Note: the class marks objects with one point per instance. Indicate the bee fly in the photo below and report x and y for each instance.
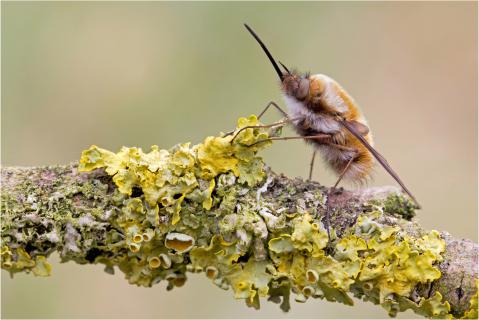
(326, 116)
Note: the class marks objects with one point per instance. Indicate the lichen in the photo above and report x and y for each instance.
(201, 209)
(179, 242)
(19, 260)
(399, 205)
(472, 313)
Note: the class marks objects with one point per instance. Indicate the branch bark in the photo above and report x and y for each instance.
(57, 208)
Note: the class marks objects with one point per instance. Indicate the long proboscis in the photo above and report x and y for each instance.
(380, 159)
(265, 49)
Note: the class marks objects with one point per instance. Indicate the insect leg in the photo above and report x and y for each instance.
(344, 171)
(378, 157)
(341, 147)
(319, 136)
(327, 217)
(272, 103)
(261, 126)
(328, 224)
(311, 165)
(337, 146)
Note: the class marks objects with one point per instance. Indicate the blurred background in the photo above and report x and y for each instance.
(138, 74)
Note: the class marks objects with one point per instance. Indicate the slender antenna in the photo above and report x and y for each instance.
(278, 70)
(284, 67)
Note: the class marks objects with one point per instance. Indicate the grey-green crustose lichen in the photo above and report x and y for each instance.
(177, 211)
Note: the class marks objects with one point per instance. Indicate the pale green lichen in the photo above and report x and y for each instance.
(178, 210)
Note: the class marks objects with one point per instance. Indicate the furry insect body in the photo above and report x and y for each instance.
(324, 115)
(314, 103)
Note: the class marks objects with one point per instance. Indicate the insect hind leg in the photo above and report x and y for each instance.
(348, 165)
(329, 206)
(311, 165)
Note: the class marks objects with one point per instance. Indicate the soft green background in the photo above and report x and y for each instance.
(137, 74)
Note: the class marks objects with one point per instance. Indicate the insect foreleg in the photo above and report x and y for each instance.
(279, 123)
(272, 103)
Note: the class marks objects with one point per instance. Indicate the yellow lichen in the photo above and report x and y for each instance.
(6, 257)
(432, 307)
(218, 253)
(472, 313)
(251, 281)
(216, 156)
(20, 260)
(396, 263)
(377, 257)
(282, 244)
(307, 236)
(166, 177)
(23, 259)
(42, 268)
(208, 202)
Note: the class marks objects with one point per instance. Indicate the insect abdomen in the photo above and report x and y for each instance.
(359, 170)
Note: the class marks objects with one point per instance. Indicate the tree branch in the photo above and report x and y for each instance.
(215, 208)
(57, 208)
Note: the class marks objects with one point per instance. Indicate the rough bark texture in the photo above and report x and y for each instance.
(73, 194)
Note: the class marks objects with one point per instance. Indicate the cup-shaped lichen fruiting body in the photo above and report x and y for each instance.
(165, 260)
(179, 281)
(179, 242)
(312, 276)
(148, 234)
(211, 272)
(154, 262)
(134, 247)
(308, 291)
(134, 234)
(137, 238)
(368, 286)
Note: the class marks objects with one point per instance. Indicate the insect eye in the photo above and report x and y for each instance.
(303, 89)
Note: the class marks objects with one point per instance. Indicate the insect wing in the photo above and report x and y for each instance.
(378, 157)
